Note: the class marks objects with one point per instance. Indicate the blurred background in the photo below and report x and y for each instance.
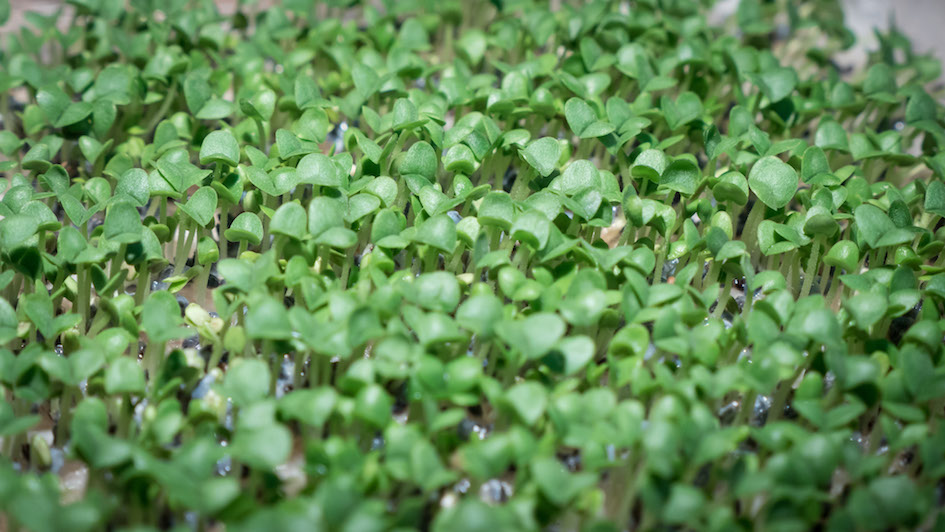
(922, 20)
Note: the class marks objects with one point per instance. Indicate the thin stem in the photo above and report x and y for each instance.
(661, 252)
(398, 146)
(833, 295)
(117, 261)
(84, 297)
(723, 299)
(522, 256)
(153, 358)
(299, 369)
(144, 284)
(520, 186)
(179, 258)
(65, 414)
(202, 280)
(165, 107)
(224, 224)
(812, 267)
(263, 138)
(268, 201)
(430, 259)
(750, 231)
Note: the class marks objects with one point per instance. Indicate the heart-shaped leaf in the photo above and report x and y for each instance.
(201, 206)
(584, 121)
(773, 182)
(542, 155)
(220, 147)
